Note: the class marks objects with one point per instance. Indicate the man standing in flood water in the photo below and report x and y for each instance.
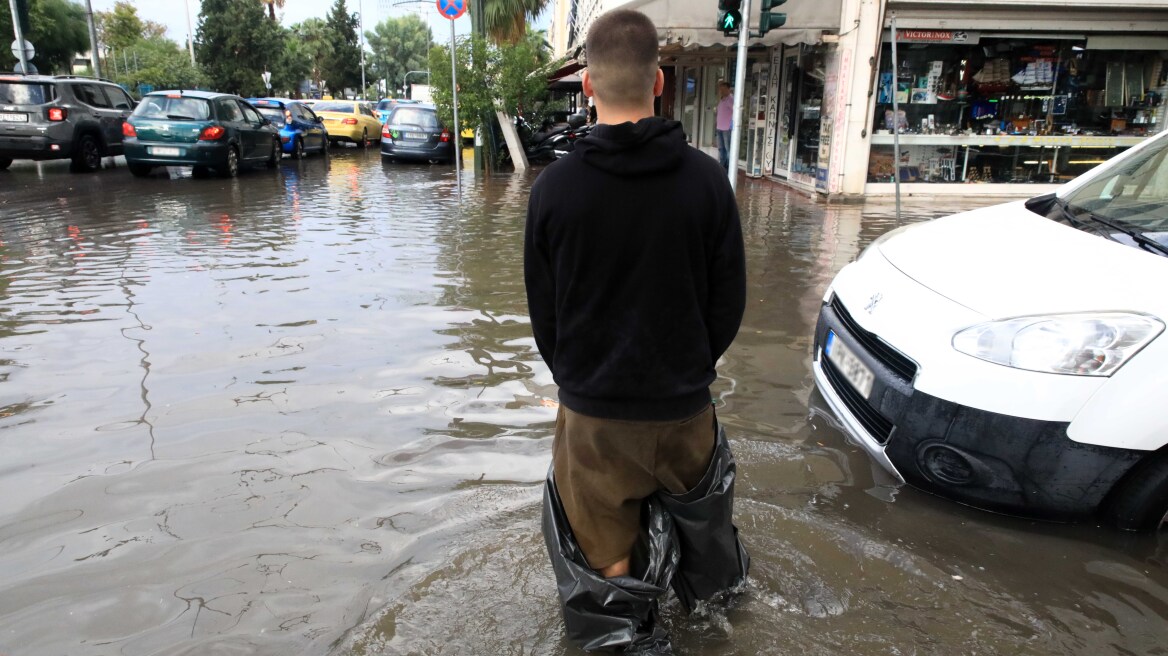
(635, 278)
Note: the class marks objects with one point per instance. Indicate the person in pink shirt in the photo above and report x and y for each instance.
(724, 123)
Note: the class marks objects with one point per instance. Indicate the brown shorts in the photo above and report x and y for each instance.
(605, 468)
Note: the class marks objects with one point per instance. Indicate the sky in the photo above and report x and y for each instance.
(170, 13)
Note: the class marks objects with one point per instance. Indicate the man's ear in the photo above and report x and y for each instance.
(659, 83)
(586, 83)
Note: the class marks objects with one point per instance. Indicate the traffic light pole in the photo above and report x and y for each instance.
(739, 83)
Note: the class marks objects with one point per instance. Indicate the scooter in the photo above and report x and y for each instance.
(550, 143)
(578, 132)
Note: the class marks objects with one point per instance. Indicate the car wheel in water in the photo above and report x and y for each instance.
(86, 155)
(1140, 501)
(5, 162)
(231, 167)
(364, 138)
(297, 148)
(325, 145)
(274, 157)
(140, 170)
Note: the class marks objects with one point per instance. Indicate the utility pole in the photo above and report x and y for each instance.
(93, 38)
(361, 23)
(190, 34)
(19, 37)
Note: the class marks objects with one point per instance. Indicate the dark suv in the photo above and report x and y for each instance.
(61, 117)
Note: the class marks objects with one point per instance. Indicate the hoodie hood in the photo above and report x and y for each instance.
(651, 145)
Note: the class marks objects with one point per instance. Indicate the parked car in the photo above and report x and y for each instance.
(70, 117)
(208, 131)
(348, 120)
(1013, 358)
(301, 130)
(414, 132)
(386, 105)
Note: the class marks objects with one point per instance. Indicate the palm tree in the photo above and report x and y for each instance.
(272, 6)
(506, 20)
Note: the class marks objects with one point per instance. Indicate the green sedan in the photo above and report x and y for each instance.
(209, 131)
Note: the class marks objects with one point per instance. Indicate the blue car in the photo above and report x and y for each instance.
(301, 131)
(386, 105)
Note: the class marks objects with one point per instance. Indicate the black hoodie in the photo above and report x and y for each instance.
(636, 278)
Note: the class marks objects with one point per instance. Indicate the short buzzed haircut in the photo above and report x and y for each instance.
(622, 57)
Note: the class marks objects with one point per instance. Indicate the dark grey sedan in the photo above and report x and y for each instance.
(414, 132)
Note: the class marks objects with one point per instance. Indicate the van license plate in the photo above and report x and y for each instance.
(13, 118)
(165, 152)
(855, 371)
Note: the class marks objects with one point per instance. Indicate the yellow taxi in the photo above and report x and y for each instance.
(349, 120)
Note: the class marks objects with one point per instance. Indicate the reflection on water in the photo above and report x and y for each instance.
(302, 412)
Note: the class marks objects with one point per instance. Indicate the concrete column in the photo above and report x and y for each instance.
(859, 41)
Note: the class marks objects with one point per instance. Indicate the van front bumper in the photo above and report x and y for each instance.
(993, 461)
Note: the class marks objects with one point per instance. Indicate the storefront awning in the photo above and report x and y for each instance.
(691, 24)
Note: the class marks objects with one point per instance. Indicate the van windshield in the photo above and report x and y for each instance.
(25, 93)
(1133, 193)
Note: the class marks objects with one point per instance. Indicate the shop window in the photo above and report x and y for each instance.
(1011, 109)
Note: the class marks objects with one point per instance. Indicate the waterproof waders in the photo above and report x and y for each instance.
(689, 544)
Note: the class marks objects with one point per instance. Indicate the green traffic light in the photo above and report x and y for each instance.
(729, 21)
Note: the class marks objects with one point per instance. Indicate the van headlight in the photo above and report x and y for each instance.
(1088, 344)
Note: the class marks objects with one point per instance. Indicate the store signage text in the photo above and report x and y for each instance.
(936, 36)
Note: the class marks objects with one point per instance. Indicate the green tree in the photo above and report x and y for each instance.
(234, 44)
(120, 28)
(273, 5)
(399, 45)
(58, 30)
(343, 66)
(506, 20)
(510, 78)
(294, 65)
(160, 63)
(314, 46)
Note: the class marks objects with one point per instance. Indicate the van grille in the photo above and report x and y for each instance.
(900, 365)
(872, 421)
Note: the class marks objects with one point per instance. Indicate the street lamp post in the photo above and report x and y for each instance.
(361, 10)
(190, 34)
(92, 38)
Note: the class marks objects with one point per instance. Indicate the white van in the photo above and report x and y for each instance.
(1013, 357)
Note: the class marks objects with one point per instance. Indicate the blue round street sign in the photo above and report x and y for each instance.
(451, 9)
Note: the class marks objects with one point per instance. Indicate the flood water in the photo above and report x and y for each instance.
(301, 412)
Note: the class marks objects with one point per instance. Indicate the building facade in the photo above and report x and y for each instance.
(1011, 95)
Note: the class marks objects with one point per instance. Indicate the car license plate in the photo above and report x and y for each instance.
(417, 135)
(855, 371)
(165, 152)
(13, 118)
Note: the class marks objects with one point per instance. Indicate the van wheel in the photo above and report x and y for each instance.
(5, 162)
(86, 155)
(1140, 501)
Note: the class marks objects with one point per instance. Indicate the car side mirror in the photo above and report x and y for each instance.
(319, 119)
